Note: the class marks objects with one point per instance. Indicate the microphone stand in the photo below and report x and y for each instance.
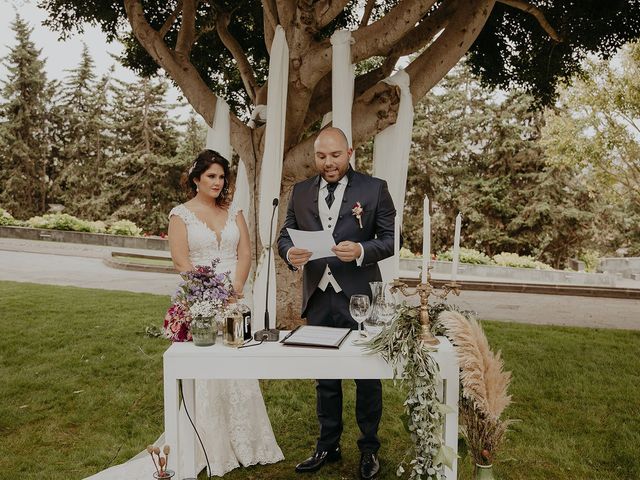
(268, 334)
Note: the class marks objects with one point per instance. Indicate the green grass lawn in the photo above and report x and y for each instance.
(81, 389)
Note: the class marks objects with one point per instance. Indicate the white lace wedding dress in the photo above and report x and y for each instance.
(231, 416)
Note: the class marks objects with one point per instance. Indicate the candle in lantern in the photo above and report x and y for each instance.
(456, 248)
(426, 239)
(396, 248)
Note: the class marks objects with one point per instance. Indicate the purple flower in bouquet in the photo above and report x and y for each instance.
(200, 288)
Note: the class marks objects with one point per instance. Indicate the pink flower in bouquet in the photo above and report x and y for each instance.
(177, 322)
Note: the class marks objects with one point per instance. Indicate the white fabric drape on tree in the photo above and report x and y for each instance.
(219, 139)
(342, 78)
(271, 175)
(391, 160)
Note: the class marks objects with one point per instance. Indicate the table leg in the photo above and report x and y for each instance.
(451, 391)
(188, 446)
(171, 419)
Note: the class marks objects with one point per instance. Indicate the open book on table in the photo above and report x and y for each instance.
(314, 336)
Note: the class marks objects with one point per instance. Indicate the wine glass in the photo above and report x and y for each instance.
(360, 309)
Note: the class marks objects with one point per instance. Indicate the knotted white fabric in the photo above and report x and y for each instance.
(391, 160)
(342, 84)
(219, 134)
(271, 175)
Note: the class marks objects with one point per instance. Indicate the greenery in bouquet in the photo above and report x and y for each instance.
(202, 292)
(399, 344)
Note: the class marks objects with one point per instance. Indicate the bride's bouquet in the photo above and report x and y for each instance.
(202, 292)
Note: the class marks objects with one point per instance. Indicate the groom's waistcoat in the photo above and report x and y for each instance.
(375, 235)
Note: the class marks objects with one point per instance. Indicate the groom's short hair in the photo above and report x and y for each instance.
(337, 130)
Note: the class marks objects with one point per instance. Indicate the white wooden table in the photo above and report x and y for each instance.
(186, 362)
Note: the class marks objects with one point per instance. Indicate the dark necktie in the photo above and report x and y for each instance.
(331, 187)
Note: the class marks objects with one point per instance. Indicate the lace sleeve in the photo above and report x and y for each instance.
(182, 212)
(234, 209)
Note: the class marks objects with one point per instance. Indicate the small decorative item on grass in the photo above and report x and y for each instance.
(201, 296)
(160, 463)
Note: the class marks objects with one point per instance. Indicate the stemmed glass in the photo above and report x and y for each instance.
(360, 309)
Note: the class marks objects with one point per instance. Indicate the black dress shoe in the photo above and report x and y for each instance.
(369, 466)
(319, 458)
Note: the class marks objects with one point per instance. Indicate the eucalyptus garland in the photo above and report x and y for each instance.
(400, 345)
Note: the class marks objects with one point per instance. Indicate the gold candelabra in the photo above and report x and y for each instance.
(425, 290)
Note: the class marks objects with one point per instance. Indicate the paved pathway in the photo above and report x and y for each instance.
(82, 266)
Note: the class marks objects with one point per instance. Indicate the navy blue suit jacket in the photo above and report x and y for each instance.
(376, 234)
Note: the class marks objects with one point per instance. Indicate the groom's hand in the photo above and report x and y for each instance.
(298, 256)
(347, 251)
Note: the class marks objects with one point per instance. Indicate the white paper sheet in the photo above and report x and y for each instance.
(319, 243)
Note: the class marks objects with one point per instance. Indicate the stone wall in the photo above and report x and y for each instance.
(25, 233)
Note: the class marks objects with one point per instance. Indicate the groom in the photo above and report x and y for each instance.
(359, 212)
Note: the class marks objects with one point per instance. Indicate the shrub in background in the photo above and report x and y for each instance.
(59, 221)
(591, 258)
(6, 219)
(124, 227)
(467, 255)
(506, 259)
(406, 253)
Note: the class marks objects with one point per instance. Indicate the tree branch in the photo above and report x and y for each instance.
(244, 67)
(368, 8)
(537, 13)
(321, 99)
(441, 56)
(170, 20)
(381, 35)
(269, 22)
(286, 12)
(327, 10)
(420, 36)
(372, 112)
(187, 32)
(181, 71)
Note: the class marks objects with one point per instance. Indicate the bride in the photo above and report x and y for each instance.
(232, 419)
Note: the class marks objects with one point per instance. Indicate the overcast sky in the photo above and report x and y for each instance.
(59, 55)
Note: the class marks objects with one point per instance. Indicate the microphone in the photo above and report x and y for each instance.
(268, 334)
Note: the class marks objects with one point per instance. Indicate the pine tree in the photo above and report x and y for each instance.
(85, 139)
(142, 179)
(192, 139)
(25, 129)
(482, 156)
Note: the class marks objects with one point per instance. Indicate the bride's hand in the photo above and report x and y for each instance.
(237, 291)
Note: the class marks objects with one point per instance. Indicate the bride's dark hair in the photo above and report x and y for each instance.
(203, 161)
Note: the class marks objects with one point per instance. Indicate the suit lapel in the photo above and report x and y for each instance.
(315, 209)
(348, 199)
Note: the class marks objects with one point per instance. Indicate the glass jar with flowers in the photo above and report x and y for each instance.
(202, 295)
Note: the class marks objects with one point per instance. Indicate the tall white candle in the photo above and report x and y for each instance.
(396, 248)
(426, 239)
(456, 248)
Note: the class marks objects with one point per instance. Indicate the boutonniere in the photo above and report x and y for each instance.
(356, 211)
